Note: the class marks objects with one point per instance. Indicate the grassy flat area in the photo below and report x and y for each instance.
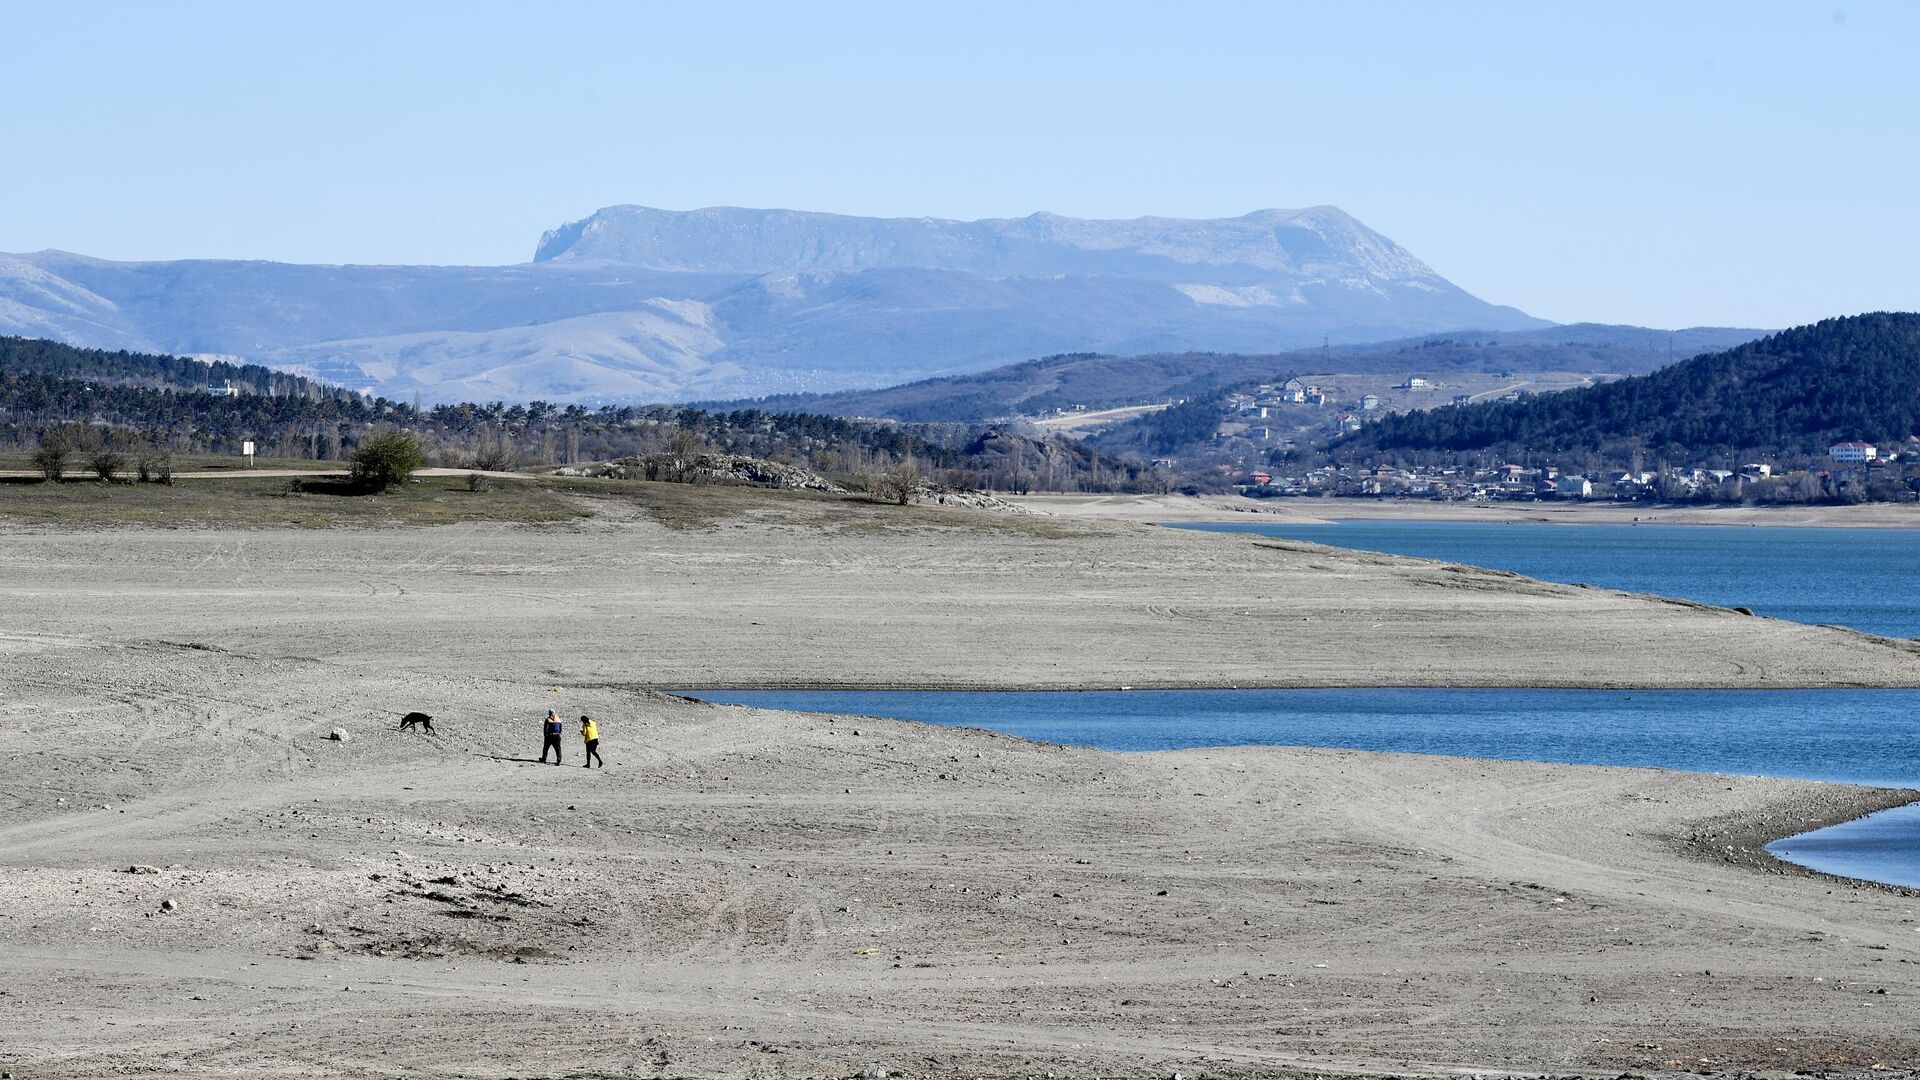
(253, 502)
(22, 461)
(269, 502)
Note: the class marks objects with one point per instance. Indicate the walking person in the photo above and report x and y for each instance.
(590, 732)
(551, 729)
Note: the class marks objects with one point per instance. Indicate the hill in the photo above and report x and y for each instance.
(1036, 387)
(633, 304)
(1791, 393)
(96, 367)
(136, 400)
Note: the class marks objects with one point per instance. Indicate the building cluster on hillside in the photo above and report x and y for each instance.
(1853, 465)
(1249, 414)
(1261, 402)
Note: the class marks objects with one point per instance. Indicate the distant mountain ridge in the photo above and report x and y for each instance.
(638, 304)
(1319, 241)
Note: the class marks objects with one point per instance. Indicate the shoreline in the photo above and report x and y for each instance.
(1224, 509)
(1742, 839)
(1739, 840)
(1467, 684)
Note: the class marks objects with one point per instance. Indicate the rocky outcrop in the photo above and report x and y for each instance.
(940, 495)
(708, 468)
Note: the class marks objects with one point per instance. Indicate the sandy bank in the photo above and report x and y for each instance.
(753, 893)
(808, 593)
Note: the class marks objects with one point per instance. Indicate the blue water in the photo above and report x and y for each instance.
(1877, 848)
(1868, 579)
(1854, 736)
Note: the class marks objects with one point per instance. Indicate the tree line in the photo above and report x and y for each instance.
(86, 401)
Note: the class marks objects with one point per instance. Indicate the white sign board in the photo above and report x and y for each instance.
(247, 448)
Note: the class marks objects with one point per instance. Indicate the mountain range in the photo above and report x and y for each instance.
(638, 304)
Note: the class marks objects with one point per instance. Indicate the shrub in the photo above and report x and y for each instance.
(155, 467)
(478, 482)
(385, 461)
(51, 460)
(106, 463)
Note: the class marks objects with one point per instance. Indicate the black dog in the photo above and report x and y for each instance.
(420, 718)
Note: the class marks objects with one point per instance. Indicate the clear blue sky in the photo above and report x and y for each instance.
(1664, 163)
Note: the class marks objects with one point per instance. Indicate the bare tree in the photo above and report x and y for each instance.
(496, 452)
(899, 484)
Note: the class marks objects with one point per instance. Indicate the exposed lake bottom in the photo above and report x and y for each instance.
(1868, 737)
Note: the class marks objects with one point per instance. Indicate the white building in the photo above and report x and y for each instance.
(1573, 487)
(1853, 451)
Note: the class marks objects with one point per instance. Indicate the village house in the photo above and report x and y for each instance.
(1348, 422)
(1629, 485)
(1369, 402)
(1573, 487)
(1853, 452)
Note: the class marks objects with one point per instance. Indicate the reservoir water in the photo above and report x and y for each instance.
(1868, 579)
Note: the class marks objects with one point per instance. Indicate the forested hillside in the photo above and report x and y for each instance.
(137, 401)
(1793, 393)
(32, 356)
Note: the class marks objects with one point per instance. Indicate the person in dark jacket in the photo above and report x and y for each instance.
(551, 728)
(590, 732)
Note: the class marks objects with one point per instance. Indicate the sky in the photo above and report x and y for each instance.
(1664, 164)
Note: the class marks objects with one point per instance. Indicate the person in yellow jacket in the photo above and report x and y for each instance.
(590, 732)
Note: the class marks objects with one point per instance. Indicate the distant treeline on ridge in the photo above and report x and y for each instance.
(189, 406)
(1784, 397)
